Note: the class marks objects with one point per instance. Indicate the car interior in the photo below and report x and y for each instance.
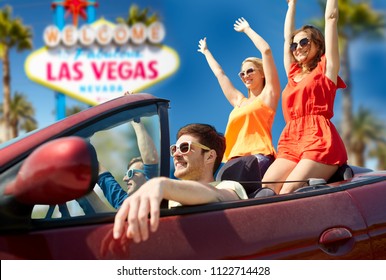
(243, 170)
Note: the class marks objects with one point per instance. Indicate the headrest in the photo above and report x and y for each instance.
(344, 172)
(244, 170)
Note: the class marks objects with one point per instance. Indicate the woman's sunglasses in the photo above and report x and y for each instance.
(242, 74)
(303, 42)
(184, 147)
(131, 172)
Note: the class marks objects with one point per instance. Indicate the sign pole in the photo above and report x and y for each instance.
(91, 12)
(60, 97)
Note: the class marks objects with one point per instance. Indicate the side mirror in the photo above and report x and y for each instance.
(58, 171)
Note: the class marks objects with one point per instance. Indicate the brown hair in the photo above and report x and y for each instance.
(208, 136)
(134, 160)
(316, 36)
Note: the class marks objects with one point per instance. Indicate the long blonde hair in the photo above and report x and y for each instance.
(258, 62)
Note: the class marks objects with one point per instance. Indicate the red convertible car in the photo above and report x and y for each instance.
(51, 206)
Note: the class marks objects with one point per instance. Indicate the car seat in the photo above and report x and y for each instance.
(244, 170)
(344, 172)
(263, 192)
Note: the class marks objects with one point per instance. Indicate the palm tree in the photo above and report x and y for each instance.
(379, 152)
(356, 19)
(136, 15)
(28, 124)
(12, 34)
(366, 130)
(74, 109)
(21, 115)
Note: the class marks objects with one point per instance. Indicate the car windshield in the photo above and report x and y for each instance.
(118, 139)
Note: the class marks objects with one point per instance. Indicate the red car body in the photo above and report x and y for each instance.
(340, 220)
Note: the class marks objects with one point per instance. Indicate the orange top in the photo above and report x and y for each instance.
(308, 109)
(248, 130)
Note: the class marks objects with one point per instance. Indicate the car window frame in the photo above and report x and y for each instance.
(84, 129)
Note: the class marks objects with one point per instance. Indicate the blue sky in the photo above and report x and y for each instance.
(194, 92)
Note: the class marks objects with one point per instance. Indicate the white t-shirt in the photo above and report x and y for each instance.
(226, 184)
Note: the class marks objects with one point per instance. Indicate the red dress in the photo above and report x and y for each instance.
(308, 109)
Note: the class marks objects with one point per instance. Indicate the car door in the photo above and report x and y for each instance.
(50, 228)
(323, 224)
(371, 200)
(296, 226)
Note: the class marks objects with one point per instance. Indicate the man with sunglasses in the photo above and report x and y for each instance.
(196, 156)
(139, 170)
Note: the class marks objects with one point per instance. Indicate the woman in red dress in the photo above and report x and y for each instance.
(310, 145)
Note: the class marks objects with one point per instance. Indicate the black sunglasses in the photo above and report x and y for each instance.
(303, 42)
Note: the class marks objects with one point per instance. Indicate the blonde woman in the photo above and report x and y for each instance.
(249, 127)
